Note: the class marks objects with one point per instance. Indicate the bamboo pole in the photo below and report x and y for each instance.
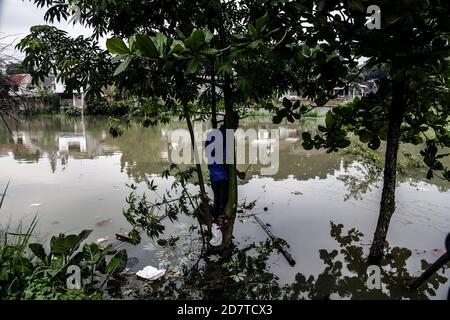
(283, 251)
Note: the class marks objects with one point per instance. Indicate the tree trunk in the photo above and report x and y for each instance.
(231, 208)
(387, 205)
(204, 210)
(213, 97)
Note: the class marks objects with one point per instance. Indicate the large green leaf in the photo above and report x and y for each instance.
(177, 47)
(117, 263)
(91, 252)
(123, 66)
(63, 245)
(38, 250)
(192, 66)
(146, 47)
(117, 46)
(262, 22)
(196, 40)
(160, 42)
(208, 36)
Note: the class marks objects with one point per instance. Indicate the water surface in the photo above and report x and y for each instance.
(73, 175)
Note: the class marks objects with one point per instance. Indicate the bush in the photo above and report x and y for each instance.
(71, 111)
(100, 106)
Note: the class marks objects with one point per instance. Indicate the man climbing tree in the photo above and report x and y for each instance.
(217, 166)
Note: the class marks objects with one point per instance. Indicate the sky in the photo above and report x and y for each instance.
(17, 16)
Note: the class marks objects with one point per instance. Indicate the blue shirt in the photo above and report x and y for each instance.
(217, 171)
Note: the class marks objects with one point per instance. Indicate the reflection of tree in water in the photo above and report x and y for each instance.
(368, 166)
(142, 151)
(345, 274)
(244, 273)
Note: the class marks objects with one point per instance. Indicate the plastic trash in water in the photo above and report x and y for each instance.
(216, 239)
(35, 205)
(102, 240)
(103, 222)
(150, 273)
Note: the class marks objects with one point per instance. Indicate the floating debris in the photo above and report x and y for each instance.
(102, 240)
(103, 222)
(35, 205)
(297, 193)
(150, 273)
(123, 236)
(216, 239)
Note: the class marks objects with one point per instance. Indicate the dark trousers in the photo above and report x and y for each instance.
(220, 190)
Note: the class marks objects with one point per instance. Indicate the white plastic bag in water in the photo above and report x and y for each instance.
(150, 273)
(216, 239)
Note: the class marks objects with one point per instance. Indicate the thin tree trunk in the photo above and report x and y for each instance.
(231, 208)
(387, 205)
(204, 198)
(213, 97)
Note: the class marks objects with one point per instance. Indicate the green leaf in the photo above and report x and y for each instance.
(364, 136)
(196, 40)
(261, 22)
(307, 145)
(374, 143)
(438, 166)
(321, 101)
(356, 5)
(65, 245)
(117, 46)
(117, 263)
(160, 42)
(210, 52)
(306, 136)
(91, 252)
(132, 43)
(287, 103)
(252, 31)
(38, 250)
(118, 58)
(162, 242)
(146, 46)
(329, 121)
(123, 66)
(255, 44)
(177, 47)
(277, 119)
(343, 143)
(208, 36)
(192, 66)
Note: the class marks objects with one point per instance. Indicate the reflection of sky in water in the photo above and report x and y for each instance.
(74, 177)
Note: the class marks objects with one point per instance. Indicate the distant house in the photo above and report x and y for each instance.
(341, 94)
(21, 84)
(351, 92)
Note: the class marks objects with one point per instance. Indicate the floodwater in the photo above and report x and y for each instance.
(73, 175)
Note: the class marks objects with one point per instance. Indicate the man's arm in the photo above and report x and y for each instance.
(240, 174)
